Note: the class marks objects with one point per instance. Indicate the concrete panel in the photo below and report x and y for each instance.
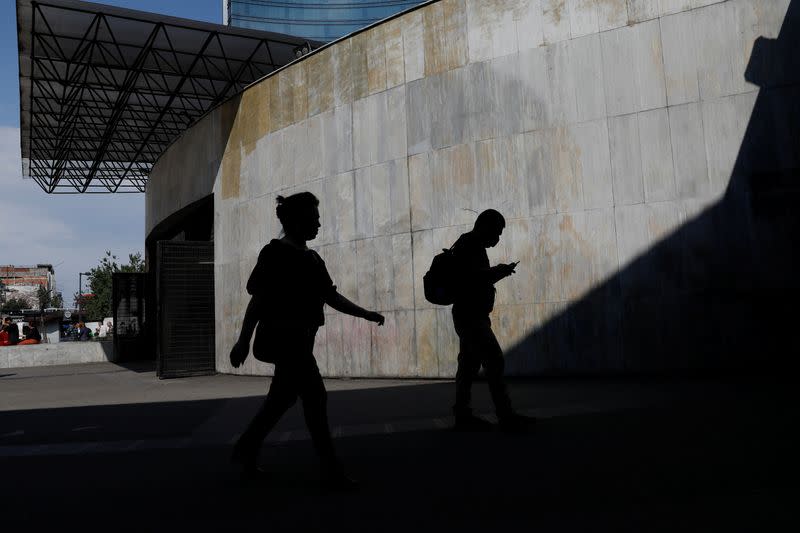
(535, 108)
(379, 127)
(446, 342)
(390, 196)
(612, 14)
(656, 150)
(688, 150)
(423, 248)
(681, 46)
(583, 17)
(395, 61)
(529, 22)
(497, 162)
(626, 160)
(587, 61)
(393, 352)
(642, 10)
(561, 76)
(724, 123)
(668, 7)
(423, 98)
(376, 60)
(413, 46)
(341, 60)
(421, 191)
(337, 150)
(453, 178)
(491, 28)
(593, 163)
(320, 78)
(534, 160)
(489, 87)
(339, 222)
(555, 20)
(450, 114)
(634, 70)
(425, 343)
(619, 77)
(722, 51)
(445, 36)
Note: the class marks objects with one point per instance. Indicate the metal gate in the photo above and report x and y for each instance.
(128, 296)
(185, 291)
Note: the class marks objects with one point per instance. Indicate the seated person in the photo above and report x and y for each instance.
(12, 330)
(3, 336)
(31, 335)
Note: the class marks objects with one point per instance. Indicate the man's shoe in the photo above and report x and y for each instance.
(248, 462)
(516, 423)
(472, 423)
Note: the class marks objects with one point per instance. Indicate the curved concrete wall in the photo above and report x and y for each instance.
(608, 132)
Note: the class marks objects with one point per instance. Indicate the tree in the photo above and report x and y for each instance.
(48, 298)
(98, 306)
(15, 305)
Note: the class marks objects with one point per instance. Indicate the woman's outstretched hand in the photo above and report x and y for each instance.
(239, 354)
(372, 316)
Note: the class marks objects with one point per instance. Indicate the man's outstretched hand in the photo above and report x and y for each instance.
(239, 354)
(372, 316)
(507, 269)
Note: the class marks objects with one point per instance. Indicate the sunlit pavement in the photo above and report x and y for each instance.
(112, 447)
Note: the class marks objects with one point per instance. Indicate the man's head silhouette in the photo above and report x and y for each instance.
(488, 227)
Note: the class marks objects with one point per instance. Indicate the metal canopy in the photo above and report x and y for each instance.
(104, 90)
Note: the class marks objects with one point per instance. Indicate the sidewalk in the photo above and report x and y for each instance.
(90, 441)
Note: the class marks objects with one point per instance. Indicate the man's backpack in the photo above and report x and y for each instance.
(439, 281)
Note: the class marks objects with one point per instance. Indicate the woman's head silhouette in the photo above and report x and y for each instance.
(299, 215)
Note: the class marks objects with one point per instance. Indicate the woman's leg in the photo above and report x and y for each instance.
(281, 396)
(315, 408)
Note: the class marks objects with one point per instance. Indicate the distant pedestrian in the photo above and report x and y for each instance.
(289, 287)
(474, 298)
(83, 332)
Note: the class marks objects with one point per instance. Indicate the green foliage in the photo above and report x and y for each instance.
(15, 305)
(48, 298)
(99, 306)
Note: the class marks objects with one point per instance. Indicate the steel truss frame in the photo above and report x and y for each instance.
(104, 91)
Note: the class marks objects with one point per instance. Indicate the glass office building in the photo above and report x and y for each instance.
(317, 20)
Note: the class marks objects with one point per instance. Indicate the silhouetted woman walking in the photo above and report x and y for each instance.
(289, 287)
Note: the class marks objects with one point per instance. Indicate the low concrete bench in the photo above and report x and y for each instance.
(60, 353)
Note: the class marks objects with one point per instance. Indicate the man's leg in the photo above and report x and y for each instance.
(469, 362)
(494, 363)
(468, 366)
(491, 356)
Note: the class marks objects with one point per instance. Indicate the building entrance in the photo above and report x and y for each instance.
(185, 296)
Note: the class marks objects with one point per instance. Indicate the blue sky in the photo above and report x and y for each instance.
(71, 231)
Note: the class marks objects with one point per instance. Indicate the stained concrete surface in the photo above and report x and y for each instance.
(673, 454)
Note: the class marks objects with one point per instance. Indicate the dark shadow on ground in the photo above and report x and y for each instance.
(140, 367)
(712, 457)
(720, 292)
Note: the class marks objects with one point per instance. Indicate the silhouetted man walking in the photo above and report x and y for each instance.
(473, 302)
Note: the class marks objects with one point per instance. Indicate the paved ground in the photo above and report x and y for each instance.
(112, 447)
